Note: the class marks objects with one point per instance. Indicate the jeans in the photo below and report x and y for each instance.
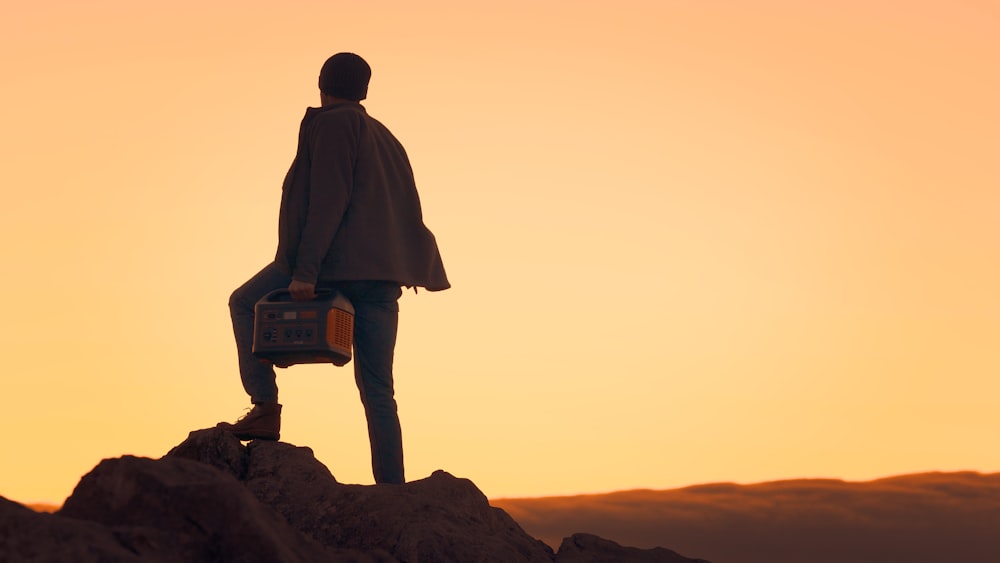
(376, 318)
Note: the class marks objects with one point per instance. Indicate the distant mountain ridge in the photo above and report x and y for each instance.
(924, 517)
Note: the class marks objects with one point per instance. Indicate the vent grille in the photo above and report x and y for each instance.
(340, 329)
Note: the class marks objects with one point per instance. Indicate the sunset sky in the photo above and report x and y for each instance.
(690, 241)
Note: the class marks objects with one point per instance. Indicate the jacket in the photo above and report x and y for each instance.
(349, 206)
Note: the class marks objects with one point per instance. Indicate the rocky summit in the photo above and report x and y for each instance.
(212, 498)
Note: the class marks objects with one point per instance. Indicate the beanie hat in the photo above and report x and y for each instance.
(345, 75)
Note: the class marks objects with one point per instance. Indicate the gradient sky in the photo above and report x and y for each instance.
(689, 241)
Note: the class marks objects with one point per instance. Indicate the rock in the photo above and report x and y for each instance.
(216, 448)
(440, 518)
(184, 510)
(29, 536)
(588, 548)
(213, 499)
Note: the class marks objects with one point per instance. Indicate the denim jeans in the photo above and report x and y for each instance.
(376, 317)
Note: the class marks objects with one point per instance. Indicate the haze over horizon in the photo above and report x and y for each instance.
(689, 242)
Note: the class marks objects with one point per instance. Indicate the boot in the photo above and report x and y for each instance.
(261, 423)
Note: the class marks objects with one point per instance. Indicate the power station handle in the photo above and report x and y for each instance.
(285, 295)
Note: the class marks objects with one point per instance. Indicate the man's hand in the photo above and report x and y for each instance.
(302, 291)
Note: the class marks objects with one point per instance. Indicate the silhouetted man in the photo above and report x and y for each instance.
(350, 219)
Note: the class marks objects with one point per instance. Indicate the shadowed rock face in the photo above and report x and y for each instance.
(187, 509)
(213, 499)
(29, 536)
(440, 518)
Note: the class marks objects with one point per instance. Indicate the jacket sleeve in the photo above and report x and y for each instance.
(333, 147)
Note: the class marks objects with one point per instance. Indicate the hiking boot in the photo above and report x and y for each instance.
(261, 423)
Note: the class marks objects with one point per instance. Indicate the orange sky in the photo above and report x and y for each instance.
(689, 241)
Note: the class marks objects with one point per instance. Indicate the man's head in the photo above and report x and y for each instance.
(346, 76)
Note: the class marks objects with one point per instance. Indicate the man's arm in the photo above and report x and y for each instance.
(333, 146)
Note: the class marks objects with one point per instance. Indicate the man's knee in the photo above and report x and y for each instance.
(237, 301)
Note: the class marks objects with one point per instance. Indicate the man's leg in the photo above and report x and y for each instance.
(376, 318)
(258, 377)
(264, 421)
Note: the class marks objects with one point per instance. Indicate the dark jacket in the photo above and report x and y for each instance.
(349, 206)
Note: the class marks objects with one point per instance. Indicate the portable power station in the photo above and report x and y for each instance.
(288, 332)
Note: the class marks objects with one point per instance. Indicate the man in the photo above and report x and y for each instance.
(350, 219)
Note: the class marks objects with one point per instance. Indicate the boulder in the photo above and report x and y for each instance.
(440, 518)
(178, 509)
(211, 498)
(26, 535)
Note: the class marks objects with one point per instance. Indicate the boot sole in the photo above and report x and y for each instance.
(244, 436)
